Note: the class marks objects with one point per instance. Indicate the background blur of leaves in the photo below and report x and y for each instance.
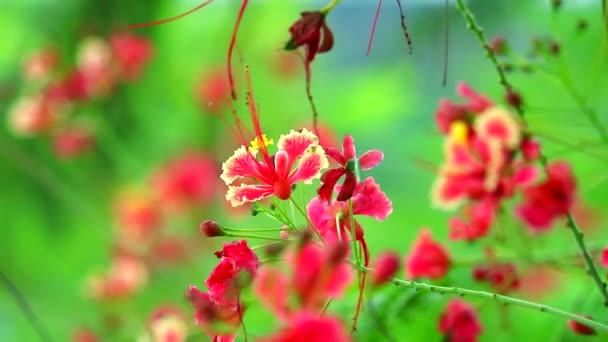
(56, 216)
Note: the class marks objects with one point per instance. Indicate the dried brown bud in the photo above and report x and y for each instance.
(498, 45)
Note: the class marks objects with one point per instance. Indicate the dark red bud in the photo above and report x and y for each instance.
(580, 328)
(385, 267)
(275, 249)
(513, 98)
(211, 229)
(480, 273)
(554, 48)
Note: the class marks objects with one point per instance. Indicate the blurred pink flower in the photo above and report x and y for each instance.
(427, 258)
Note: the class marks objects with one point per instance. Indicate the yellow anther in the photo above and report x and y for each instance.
(256, 143)
(459, 132)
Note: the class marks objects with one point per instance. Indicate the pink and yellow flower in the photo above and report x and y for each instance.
(299, 159)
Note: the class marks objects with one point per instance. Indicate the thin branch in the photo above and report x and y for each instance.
(502, 299)
(26, 308)
(408, 39)
(572, 225)
(446, 41)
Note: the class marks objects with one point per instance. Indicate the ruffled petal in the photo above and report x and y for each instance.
(241, 164)
(369, 200)
(295, 143)
(370, 159)
(239, 195)
(498, 123)
(310, 165)
(321, 215)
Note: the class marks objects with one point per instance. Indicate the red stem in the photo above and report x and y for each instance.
(231, 47)
(371, 37)
(164, 21)
(362, 283)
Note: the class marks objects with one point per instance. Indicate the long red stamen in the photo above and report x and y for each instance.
(371, 37)
(164, 21)
(255, 118)
(362, 283)
(231, 47)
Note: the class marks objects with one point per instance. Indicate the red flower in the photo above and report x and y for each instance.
(427, 258)
(168, 324)
(459, 322)
(299, 159)
(131, 53)
(187, 181)
(316, 274)
(580, 328)
(31, 115)
(137, 215)
(220, 311)
(480, 218)
(308, 327)
(219, 320)
(126, 276)
(544, 202)
(450, 112)
(385, 267)
(311, 31)
(238, 265)
(604, 260)
(503, 276)
(348, 163)
(72, 141)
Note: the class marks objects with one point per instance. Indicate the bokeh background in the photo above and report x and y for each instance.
(59, 218)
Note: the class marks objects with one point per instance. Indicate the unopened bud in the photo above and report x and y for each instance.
(211, 229)
(385, 267)
(498, 45)
(554, 48)
(556, 4)
(275, 249)
(582, 25)
(513, 98)
(580, 328)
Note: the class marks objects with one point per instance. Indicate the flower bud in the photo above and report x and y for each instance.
(580, 328)
(498, 45)
(385, 267)
(210, 228)
(513, 98)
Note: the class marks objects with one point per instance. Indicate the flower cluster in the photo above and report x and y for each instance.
(220, 310)
(142, 219)
(55, 97)
(489, 158)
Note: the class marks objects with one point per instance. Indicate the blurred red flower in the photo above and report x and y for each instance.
(427, 258)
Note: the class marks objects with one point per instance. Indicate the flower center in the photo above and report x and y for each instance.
(282, 189)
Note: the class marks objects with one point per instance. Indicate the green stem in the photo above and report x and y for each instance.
(325, 10)
(502, 299)
(576, 231)
(252, 236)
(308, 220)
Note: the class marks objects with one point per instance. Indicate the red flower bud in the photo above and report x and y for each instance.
(580, 328)
(385, 268)
(498, 45)
(513, 98)
(211, 229)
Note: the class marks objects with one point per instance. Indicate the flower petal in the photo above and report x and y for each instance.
(310, 165)
(369, 200)
(329, 180)
(321, 216)
(239, 195)
(370, 159)
(447, 194)
(498, 123)
(348, 148)
(295, 143)
(241, 164)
